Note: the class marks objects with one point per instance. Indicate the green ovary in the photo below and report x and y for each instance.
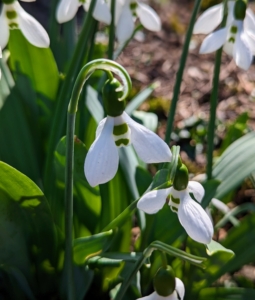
(123, 142)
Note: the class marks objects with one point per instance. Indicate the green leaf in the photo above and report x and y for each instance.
(140, 98)
(87, 247)
(215, 247)
(210, 187)
(221, 293)
(235, 164)
(26, 227)
(37, 63)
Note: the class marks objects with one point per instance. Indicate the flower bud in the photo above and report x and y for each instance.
(181, 178)
(240, 10)
(112, 92)
(164, 281)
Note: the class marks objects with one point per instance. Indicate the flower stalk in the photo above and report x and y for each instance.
(179, 75)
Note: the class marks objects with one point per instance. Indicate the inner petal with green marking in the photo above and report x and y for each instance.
(121, 134)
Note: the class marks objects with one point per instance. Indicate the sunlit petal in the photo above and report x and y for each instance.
(241, 52)
(249, 21)
(148, 145)
(31, 28)
(228, 48)
(155, 296)
(209, 19)
(102, 12)
(195, 220)
(179, 287)
(66, 10)
(4, 35)
(196, 189)
(100, 127)
(148, 17)
(125, 26)
(101, 163)
(214, 41)
(153, 201)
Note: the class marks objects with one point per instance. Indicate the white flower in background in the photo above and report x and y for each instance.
(0, 57)
(13, 16)
(126, 18)
(237, 38)
(191, 215)
(67, 9)
(102, 160)
(178, 294)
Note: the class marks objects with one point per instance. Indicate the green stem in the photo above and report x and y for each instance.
(112, 31)
(214, 102)
(68, 258)
(179, 75)
(63, 98)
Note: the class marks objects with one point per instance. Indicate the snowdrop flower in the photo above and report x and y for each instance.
(125, 20)
(67, 9)
(178, 293)
(102, 160)
(237, 38)
(191, 215)
(13, 16)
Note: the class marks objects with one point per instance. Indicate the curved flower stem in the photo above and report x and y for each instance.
(214, 102)
(112, 31)
(179, 75)
(62, 102)
(108, 66)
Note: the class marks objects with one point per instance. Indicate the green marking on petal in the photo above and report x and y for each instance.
(123, 142)
(13, 25)
(11, 14)
(233, 29)
(133, 6)
(175, 200)
(174, 209)
(231, 39)
(120, 129)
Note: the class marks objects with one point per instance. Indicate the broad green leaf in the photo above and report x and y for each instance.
(90, 246)
(143, 179)
(26, 228)
(140, 98)
(37, 63)
(235, 164)
(210, 187)
(19, 131)
(221, 293)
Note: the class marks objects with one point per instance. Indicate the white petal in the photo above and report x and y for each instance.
(66, 10)
(209, 19)
(102, 13)
(155, 296)
(28, 0)
(179, 287)
(153, 201)
(125, 26)
(197, 190)
(214, 41)
(101, 163)
(250, 39)
(148, 145)
(249, 21)
(230, 17)
(100, 127)
(228, 48)
(195, 220)
(118, 9)
(4, 35)
(148, 17)
(31, 28)
(241, 53)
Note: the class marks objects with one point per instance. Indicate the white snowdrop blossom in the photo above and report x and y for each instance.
(176, 295)
(191, 215)
(13, 16)
(237, 38)
(127, 15)
(102, 160)
(67, 9)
